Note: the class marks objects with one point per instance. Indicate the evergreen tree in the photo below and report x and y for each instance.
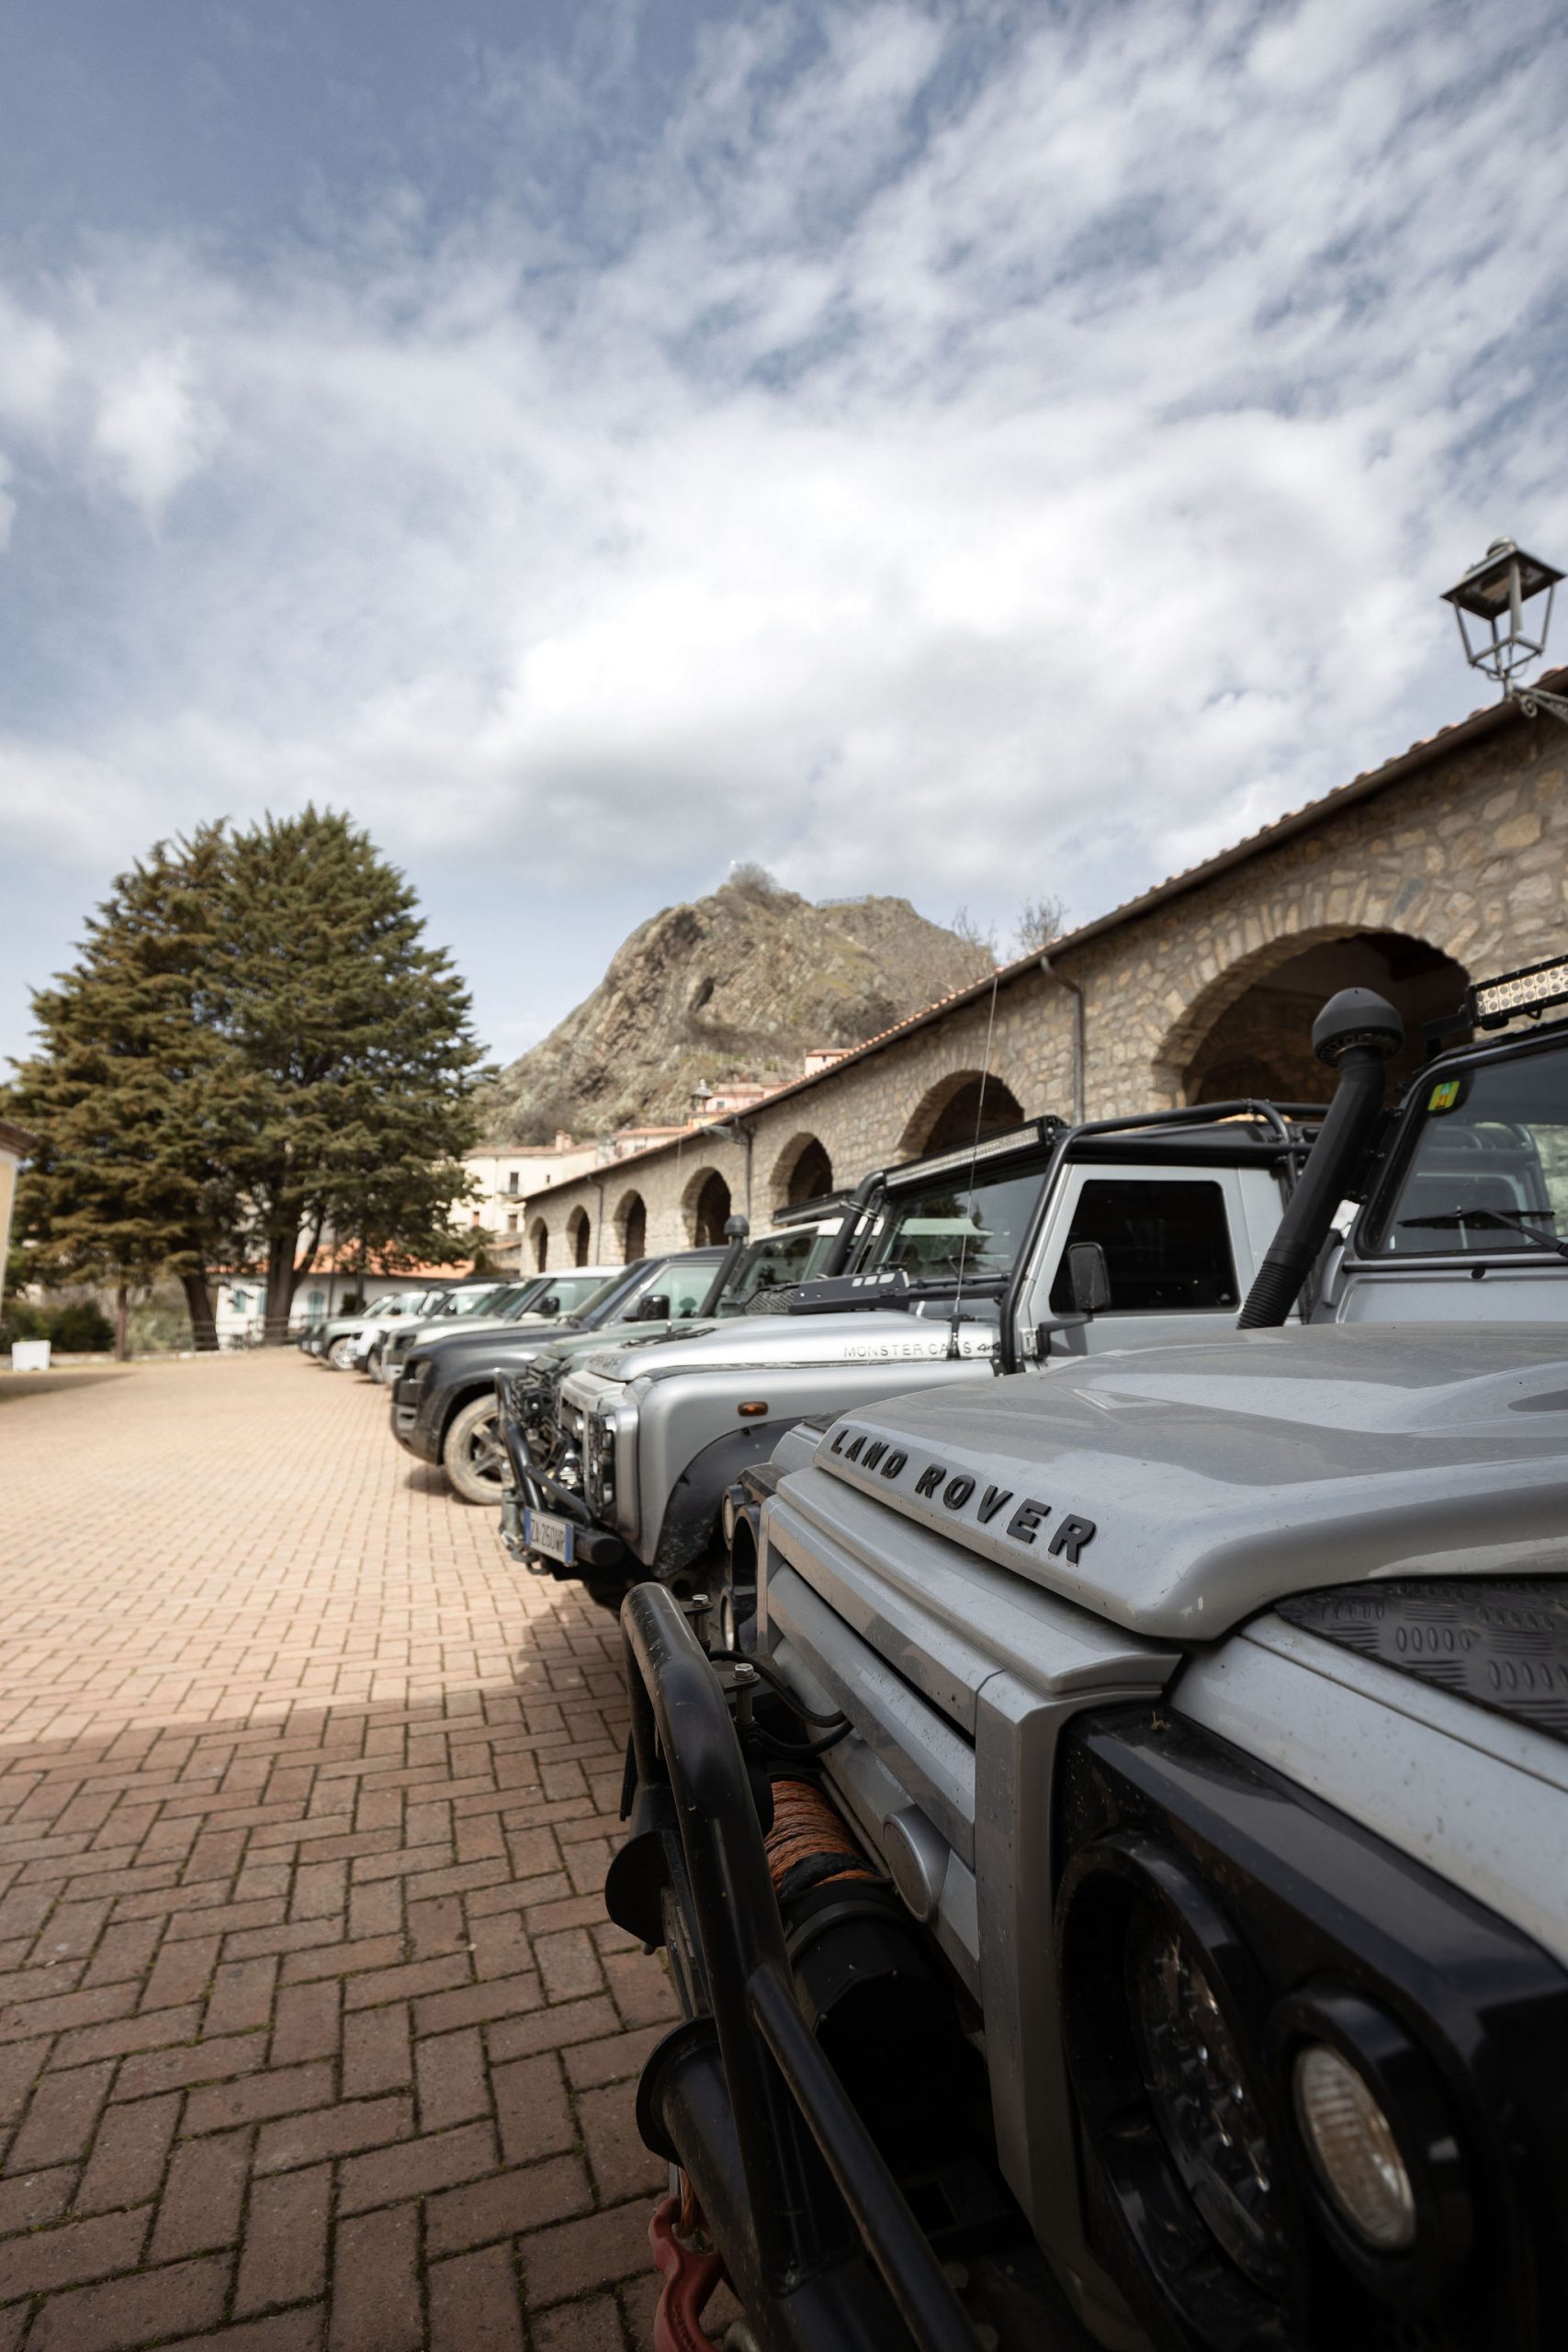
(353, 1058)
(128, 1090)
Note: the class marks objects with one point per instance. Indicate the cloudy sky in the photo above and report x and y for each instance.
(962, 448)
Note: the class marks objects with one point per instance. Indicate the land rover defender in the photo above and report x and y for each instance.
(1117, 1896)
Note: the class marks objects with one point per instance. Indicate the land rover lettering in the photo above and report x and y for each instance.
(1070, 1538)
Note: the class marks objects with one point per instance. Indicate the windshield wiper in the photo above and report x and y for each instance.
(1509, 1219)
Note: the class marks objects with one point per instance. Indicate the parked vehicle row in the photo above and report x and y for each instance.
(336, 1340)
(1034, 1246)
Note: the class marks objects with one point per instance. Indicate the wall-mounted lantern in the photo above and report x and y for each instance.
(1500, 599)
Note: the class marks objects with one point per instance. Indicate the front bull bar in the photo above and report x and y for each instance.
(815, 2232)
(597, 1547)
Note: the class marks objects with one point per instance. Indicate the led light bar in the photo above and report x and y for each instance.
(1033, 1131)
(1528, 991)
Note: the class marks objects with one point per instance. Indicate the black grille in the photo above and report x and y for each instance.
(1500, 1644)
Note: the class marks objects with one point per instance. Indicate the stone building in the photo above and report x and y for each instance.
(1448, 862)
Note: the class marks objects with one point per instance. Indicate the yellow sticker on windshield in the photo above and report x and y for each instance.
(1443, 1097)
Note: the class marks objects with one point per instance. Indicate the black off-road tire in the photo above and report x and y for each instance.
(339, 1355)
(471, 1453)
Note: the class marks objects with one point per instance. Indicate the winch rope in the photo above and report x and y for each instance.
(808, 1844)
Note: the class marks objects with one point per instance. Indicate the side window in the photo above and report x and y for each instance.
(1167, 1244)
(686, 1287)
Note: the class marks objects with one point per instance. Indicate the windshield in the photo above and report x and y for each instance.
(515, 1298)
(557, 1296)
(1488, 1170)
(607, 1289)
(954, 1228)
(773, 1264)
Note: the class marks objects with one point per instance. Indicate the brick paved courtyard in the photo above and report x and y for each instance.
(312, 2033)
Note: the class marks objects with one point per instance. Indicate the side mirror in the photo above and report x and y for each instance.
(549, 1305)
(1088, 1277)
(654, 1308)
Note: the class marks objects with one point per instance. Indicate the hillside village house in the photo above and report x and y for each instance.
(626, 1141)
(1447, 863)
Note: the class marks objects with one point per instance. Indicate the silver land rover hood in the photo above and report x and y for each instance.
(1180, 1489)
(766, 1342)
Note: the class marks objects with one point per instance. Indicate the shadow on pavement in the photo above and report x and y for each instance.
(424, 1479)
(321, 2010)
(14, 1385)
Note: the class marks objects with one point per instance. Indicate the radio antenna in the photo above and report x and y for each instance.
(953, 1347)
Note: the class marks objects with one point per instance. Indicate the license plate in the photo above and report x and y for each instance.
(542, 1532)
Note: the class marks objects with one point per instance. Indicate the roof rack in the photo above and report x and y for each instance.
(1039, 1132)
(1281, 1117)
(808, 1212)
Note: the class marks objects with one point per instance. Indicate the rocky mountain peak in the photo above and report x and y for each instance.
(743, 983)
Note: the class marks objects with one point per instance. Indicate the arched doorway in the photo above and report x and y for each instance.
(578, 1233)
(539, 1243)
(802, 1171)
(707, 1199)
(631, 1223)
(958, 1108)
(1260, 1044)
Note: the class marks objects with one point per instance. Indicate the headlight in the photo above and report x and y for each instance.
(1201, 2096)
(1164, 2011)
(1280, 2125)
(1353, 2149)
(601, 1460)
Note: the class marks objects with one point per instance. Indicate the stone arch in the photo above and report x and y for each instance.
(631, 1227)
(705, 1204)
(539, 1244)
(964, 1104)
(802, 1171)
(579, 1235)
(1248, 1029)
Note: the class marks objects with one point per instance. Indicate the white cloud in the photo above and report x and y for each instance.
(153, 430)
(954, 481)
